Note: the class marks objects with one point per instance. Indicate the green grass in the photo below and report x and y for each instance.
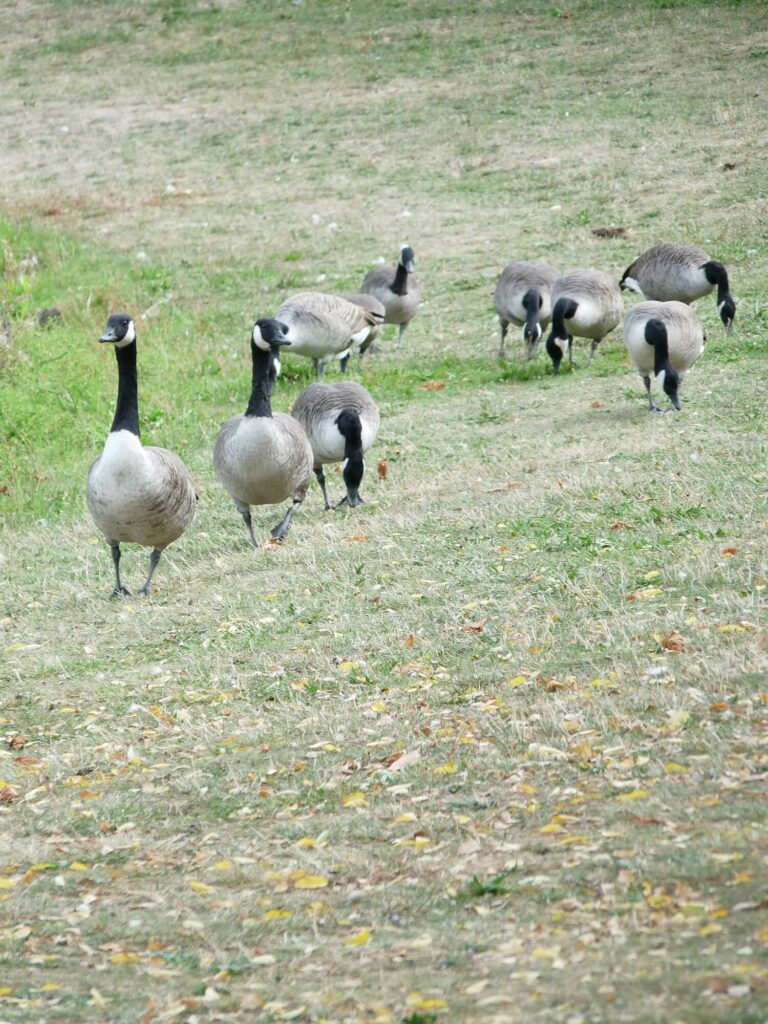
(203, 814)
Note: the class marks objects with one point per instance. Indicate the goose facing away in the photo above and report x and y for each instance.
(585, 303)
(664, 339)
(397, 289)
(341, 422)
(523, 297)
(261, 457)
(372, 304)
(682, 273)
(136, 494)
(322, 327)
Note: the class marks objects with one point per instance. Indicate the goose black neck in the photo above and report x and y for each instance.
(259, 404)
(532, 305)
(716, 273)
(565, 309)
(127, 408)
(400, 284)
(656, 335)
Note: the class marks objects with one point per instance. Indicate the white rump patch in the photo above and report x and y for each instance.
(344, 464)
(631, 283)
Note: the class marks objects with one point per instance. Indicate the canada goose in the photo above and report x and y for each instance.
(665, 338)
(323, 326)
(372, 304)
(585, 303)
(341, 422)
(523, 296)
(397, 288)
(682, 273)
(262, 457)
(136, 494)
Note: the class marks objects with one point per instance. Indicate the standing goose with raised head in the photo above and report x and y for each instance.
(397, 289)
(136, 494)
(372, 304)
(585, 303)
(323, 327)
(523, 297)
(261, 457)
(341, 422)
(682, 273)
(666, 339)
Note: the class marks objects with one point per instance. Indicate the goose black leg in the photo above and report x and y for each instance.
(652, 407)
(593, 349)
(120, 590)
(154, 558)
(401, 335)
(321, 480)
(344, 362)
(282, 528)
(247, 520)
(504, 329)
(319, 369)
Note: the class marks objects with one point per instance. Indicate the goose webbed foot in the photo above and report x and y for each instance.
(120, 591)
(280, 531)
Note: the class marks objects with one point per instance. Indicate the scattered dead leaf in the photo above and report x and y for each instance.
(17, 742)
(382, 469)
(673, 642)
(597, 404)
(610, 232)
(434, 385)
(728, 552)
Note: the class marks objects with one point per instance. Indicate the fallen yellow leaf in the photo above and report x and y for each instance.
(360, 939)
(355, 800)
(311, 882)
(200, 887)
(636, 794)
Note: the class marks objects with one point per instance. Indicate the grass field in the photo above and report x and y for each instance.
(493, 746)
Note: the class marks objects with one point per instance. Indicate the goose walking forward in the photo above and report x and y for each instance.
(397, 289)
(323, 327)
(585, 303)
(261, 457)
(341, 422)
(666, 339)
(680, 273)
(523, 297)
(136, 494)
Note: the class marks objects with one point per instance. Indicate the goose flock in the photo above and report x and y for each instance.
(145, 495)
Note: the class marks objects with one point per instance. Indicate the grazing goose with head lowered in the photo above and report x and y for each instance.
(523, 297)
(372, 305)
(666, 339)
(397, 289)
(341, 422)
(682, 273)
(136, 494)
(262, 457)
(323, 326)
(585, 303)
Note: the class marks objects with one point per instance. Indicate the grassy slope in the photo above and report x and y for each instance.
(578, 839)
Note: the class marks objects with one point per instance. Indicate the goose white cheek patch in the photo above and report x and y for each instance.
(276, 365)
(130, 336)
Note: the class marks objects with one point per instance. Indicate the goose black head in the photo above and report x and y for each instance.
(671, 385)
(120, 330)
(407, 259)
(727, 311)
(269, 334)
